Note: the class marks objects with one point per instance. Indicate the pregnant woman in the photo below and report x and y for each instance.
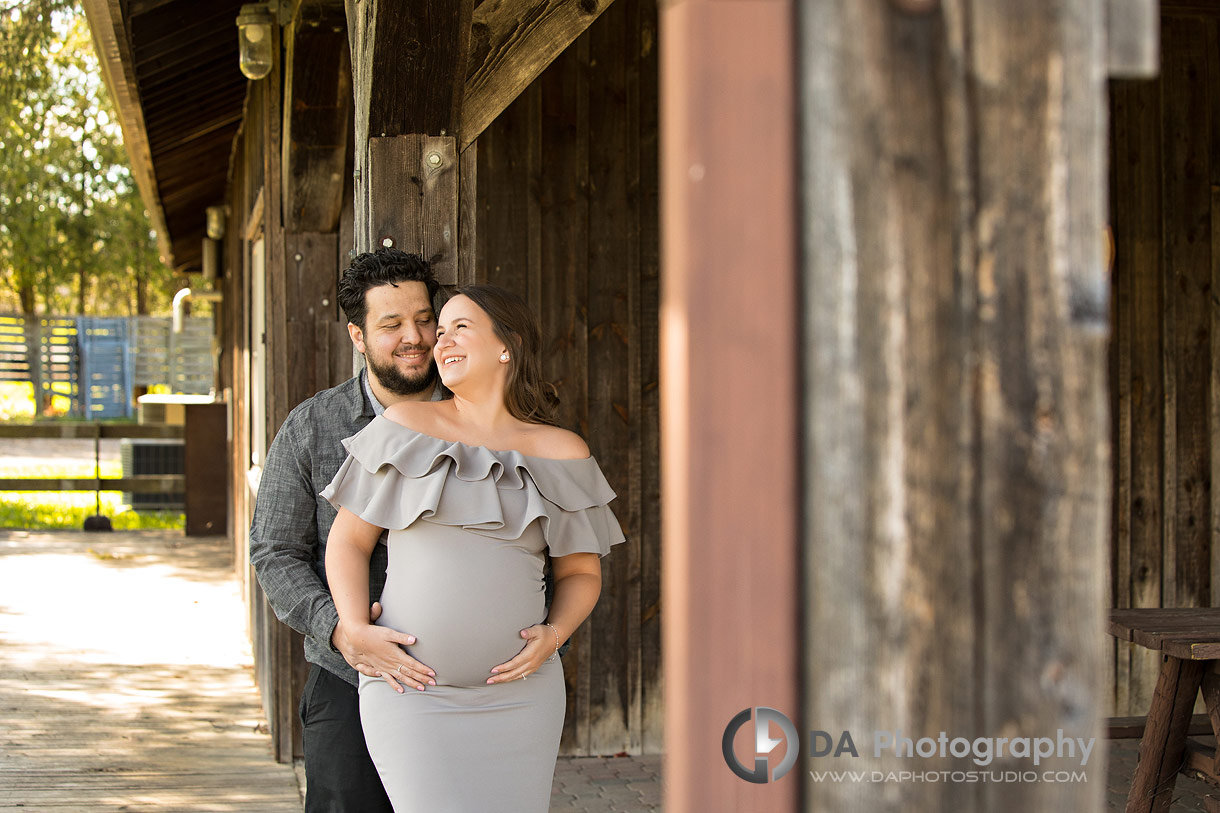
(475, 492)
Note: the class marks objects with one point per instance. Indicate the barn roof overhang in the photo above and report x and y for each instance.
(172, 70)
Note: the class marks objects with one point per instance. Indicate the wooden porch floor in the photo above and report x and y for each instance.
(126, 680)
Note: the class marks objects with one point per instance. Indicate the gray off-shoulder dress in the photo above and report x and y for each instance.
(470, 528)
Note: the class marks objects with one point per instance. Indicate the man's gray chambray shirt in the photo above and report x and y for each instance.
(291, 522)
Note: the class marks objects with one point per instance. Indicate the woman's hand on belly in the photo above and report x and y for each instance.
(539, 647)
(378, 652)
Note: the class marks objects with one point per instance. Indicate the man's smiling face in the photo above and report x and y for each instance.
(398, 336)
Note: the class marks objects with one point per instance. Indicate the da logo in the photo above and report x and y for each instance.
(763, 744)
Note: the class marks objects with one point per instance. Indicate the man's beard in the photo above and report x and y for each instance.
(393, 379)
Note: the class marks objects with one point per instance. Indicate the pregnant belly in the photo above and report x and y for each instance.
(464, 597)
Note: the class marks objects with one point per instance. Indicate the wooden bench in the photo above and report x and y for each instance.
(1189, 640)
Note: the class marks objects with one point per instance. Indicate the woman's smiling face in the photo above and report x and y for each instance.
(467, 347)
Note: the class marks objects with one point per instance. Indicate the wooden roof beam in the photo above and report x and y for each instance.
(512, 43)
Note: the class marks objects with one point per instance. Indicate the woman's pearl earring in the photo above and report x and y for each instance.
(504, 358)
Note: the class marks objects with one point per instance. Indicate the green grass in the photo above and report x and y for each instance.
(46, 510)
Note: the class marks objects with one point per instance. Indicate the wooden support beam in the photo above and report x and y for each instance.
(729, 258)
(955, 534)
(408, 71)
(413, 198)
(317, 117)
(408, 65)
(512, 42)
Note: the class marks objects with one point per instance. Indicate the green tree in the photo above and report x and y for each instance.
(75, 236)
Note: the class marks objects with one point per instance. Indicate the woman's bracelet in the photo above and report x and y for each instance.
(552, 626)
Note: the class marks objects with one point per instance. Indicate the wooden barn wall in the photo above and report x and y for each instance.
(567, 217)
(1165, 178)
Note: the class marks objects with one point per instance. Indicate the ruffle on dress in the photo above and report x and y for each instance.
(394, 476)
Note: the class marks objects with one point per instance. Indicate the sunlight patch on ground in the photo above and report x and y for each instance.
(117, 611)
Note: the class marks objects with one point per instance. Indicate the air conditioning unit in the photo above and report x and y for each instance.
(140, 456)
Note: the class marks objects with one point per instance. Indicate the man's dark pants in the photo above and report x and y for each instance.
(339, 775)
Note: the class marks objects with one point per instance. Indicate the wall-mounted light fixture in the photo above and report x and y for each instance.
(216, 221)
(254, 38)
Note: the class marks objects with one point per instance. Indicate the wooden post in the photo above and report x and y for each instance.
(317, 117)
(956, 488)
(408, 71)
(729, 350)
(413, 199)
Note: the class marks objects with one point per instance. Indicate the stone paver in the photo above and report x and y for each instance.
(607, 784)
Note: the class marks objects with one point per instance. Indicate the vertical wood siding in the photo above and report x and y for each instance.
(1163, 178)
(567, 217)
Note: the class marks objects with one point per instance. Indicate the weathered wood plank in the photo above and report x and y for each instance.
(1210, 689)
(283, 643)
(507, 195)
(1143, 223)
(563, 299)
(205, 465)
(408, 65)
(408, 61)
(1187, 218)
(318, 117)
(512, 43)
(1125, 623)
(957, 530)
(1189, 8)
(310, 258)
(413, 198)
(612, 270)
(649, 406)
(468, 215)
(1120, 377)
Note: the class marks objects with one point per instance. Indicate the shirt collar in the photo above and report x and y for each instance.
(370, 400)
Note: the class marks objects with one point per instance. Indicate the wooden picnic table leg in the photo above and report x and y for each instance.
(1164, 740)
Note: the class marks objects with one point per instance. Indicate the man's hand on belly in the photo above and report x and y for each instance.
(378, 652)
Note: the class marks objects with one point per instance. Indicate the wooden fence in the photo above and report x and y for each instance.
(136, 484)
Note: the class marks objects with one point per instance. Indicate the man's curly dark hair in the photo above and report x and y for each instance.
(385, 266)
